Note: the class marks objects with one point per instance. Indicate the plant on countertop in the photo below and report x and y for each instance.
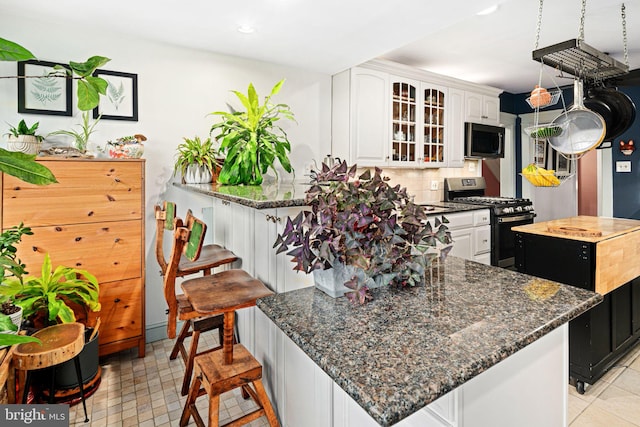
(198, 152)
(251, 139)
(126, 147)
(366, 223)
(49, 297)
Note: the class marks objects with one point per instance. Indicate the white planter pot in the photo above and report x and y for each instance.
(27, 144)
(197, 174)
(332, 281)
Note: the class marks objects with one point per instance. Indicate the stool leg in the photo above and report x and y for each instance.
(266, 404)
(191, 400)
(76, 361)
(214, 410)
(188, 368)
(184, 333)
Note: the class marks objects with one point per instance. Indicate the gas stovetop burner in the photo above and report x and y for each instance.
(492, 201)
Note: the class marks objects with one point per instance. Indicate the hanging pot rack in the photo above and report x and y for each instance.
(577, 58)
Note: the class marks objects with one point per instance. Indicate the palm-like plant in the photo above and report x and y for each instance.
(81, 137)
(52, 291)
(251, 139)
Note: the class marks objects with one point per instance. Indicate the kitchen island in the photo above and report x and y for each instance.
(475, 346)
(598, 254)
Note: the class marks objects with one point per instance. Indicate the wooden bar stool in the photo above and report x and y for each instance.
(204, 260)
(59, 343)
(217, 371)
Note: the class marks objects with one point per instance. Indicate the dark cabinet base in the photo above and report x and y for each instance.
(600, 337)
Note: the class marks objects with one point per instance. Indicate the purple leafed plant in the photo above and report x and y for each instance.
(366, 223)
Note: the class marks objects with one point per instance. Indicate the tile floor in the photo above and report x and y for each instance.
(146, 392)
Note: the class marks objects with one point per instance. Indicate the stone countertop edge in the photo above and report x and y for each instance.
(452, 321)
(287, 195)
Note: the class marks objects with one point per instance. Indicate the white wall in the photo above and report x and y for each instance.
(177, 88)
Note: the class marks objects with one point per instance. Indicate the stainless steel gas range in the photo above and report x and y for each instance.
(505, 213)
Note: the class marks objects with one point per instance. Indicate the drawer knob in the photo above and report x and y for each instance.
(116, 300)
(78, 239)
(117, 240)
(116, 179)
(58, 228)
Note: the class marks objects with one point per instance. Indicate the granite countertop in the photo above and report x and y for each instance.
(279, 195)
(410, 346)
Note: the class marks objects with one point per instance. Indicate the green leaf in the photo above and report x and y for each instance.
(11, 339)
(84, 69)
(10, 51)
(98, 83)
(88, 96)
(24, 167)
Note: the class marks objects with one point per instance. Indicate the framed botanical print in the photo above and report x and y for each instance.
(42, 89)
(540, 152)
(121, 100)
(563, 165)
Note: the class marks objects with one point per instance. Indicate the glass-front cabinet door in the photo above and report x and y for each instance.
(404, 104)
(418, 118)
(433, 126)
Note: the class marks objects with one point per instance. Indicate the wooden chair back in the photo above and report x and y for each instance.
(187, 241)
(165, 216)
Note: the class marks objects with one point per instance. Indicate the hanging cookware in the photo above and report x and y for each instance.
(582, 129)
(622, 111)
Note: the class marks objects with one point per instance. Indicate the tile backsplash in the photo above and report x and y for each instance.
(418, 181)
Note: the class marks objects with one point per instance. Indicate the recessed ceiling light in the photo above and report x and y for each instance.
(246, 29)
(488, 11)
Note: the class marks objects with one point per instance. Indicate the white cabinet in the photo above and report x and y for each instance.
(384, 114)
(276, 271)
(455, 128)
(360, 116)
(480, 108)
(471, 234)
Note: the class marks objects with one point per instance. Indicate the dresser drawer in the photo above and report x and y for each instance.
(109, 250)
(121, 311)
(87, 191)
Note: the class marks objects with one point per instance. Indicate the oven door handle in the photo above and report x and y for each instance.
(516, 218)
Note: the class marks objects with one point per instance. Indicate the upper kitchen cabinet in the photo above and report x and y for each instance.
(480, 108)
(387, 114)
(360, 116)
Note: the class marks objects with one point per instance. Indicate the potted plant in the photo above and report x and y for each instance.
(60, 295)
(24, 138)
(363, 233)
(197, 160)
(252, 139)
(126, 147)
(81, 137)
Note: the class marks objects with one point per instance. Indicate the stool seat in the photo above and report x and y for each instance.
(59, 344)
(222, 292)
(221, 377)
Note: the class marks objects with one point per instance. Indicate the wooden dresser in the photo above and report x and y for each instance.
(92, 219)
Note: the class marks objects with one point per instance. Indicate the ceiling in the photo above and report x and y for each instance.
(332, 35)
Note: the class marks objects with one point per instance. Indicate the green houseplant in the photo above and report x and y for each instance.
(24, 138)
(80, 137)
(252, 139)
(50, 297)
(366, 226)
(196, 160)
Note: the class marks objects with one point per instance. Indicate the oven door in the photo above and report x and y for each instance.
(503, 239)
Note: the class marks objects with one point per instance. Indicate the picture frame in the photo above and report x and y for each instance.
(562, 165)
(540, 152)
(47, 94)
(121, 100)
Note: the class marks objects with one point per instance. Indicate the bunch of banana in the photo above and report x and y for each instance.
(540, 177)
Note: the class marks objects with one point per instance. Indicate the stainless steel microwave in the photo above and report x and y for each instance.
(483, 141)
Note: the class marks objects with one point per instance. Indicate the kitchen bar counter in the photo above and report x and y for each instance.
(279, 195)
(408, 347)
